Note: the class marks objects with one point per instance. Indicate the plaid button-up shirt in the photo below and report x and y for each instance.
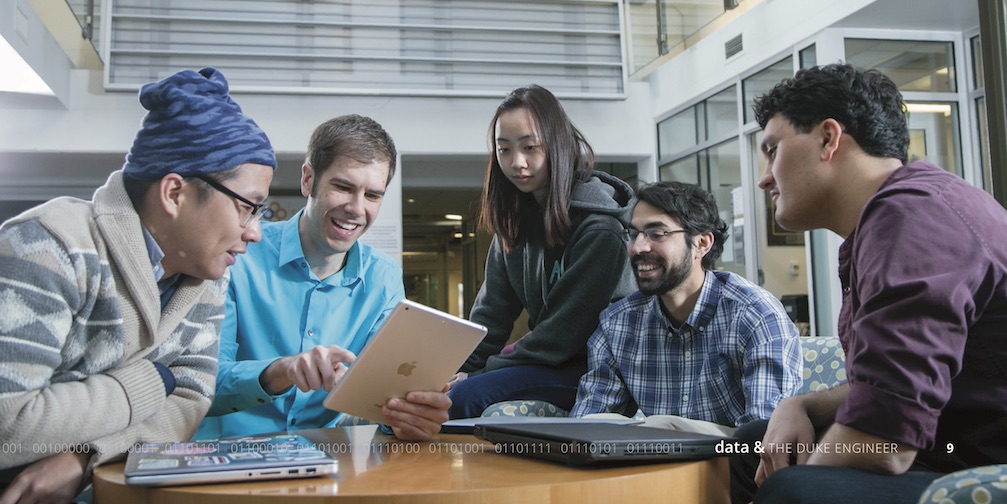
(732, 361)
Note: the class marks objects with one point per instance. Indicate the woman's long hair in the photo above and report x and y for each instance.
(504, 210)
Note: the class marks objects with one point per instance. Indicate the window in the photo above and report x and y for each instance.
(933, 134)
(913, 65)
(699, 145)
(722, 114)
(684, 170)
(677, 133)
(808, 56)
(447, 47)
(724, 177)
(926, 70)
(979, 76)
(982, 124)
(978, 95)
(709, 121)
(763, 81)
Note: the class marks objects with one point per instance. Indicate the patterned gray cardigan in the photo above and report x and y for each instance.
(81, 324)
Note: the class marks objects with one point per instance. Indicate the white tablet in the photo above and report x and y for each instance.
(417, 348)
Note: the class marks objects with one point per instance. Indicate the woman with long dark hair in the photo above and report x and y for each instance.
(557, 253)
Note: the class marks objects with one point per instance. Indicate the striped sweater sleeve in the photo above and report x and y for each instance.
(191, 355)
(54, 331)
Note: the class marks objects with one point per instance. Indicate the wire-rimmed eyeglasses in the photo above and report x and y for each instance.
(653, 235)
(254, 211)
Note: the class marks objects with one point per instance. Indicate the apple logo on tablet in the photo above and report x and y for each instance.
(406, 368)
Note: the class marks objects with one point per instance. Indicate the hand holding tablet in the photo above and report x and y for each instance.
(418, 348)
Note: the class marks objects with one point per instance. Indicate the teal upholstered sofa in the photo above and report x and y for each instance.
(824, 368)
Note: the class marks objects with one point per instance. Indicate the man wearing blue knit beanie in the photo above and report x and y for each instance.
(112, 307)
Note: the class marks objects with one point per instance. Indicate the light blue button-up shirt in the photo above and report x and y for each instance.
(166, 286)
(277, 307)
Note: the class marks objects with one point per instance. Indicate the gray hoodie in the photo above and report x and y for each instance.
(564, 289)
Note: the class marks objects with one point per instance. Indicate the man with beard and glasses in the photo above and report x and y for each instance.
(694, 349)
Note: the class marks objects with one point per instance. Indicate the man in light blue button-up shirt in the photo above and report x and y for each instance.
(308, 298)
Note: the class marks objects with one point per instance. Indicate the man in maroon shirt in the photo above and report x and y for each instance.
(924, 275)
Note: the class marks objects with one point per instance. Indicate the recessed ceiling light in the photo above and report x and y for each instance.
(929, 108)
(452, 216)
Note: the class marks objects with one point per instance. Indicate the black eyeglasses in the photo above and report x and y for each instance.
(652, 235)
(256, 207)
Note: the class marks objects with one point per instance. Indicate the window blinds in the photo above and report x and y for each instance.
(390, 47)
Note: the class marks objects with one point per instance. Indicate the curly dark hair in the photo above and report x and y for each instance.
(866, 102)
(693, 207)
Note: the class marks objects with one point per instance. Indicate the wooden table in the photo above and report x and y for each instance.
(449, 469)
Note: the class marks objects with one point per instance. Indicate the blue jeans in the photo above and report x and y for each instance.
(554, 385)
(818, 484)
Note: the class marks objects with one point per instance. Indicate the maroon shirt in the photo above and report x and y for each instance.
(924, 319)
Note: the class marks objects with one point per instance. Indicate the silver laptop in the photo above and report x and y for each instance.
(224, 460)
(267, 457)
(581, 443)
(417, 348)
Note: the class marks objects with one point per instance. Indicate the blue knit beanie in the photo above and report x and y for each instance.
(194, 127)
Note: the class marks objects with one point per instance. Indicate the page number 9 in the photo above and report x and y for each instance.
(951, 447)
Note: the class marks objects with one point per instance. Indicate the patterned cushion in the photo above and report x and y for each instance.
(524, 408)
(824, 363)
(979, 485)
